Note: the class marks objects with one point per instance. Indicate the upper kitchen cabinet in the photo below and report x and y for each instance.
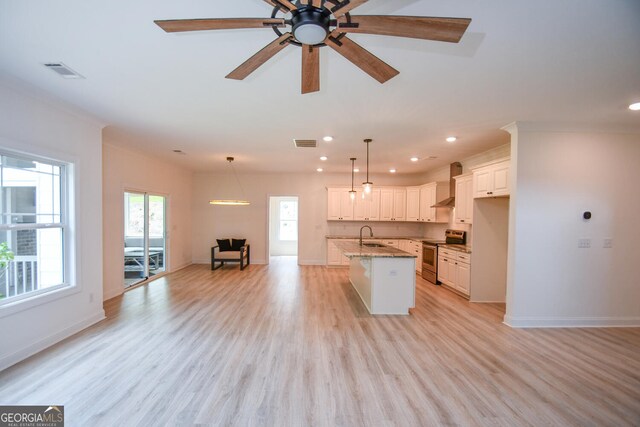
(430, 194)
(393, 204)
(367, 209)
(463, 213)
(413, 204)
(339, 204)
(491, 179)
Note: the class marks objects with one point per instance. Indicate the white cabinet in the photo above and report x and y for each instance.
(334, 254)
(413, 203)
(491, 179)
(463, 213)
(367, 209)
(454, 269)
(430, 194)
(393, 204)
(339, 205)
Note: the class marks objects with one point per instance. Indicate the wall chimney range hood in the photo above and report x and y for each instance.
(455, 169)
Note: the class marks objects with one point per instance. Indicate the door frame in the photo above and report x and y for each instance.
(167, 215)
(268, 226)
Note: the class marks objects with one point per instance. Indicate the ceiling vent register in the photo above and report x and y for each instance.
(305, 143)
(63, 70)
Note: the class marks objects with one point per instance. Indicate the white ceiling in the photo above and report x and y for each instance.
(547, 60)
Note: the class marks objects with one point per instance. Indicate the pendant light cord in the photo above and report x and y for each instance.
(237, 180)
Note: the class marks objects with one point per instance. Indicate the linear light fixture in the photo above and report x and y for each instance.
(231, 202)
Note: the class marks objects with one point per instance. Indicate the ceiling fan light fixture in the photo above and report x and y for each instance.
(310, 25)
(310, 34)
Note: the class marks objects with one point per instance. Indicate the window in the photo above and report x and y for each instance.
(32, 227)
(288, 220)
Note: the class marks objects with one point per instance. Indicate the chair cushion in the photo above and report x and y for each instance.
(236, 244)
(229, 255)
(224, 245)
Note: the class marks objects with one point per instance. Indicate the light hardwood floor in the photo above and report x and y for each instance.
(283, 345)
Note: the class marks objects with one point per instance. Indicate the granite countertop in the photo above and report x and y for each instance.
(419, 239)
(459, 248)
(352, 249)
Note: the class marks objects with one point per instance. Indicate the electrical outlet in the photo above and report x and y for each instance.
(584, 243)
(607, 243)
(91, 297)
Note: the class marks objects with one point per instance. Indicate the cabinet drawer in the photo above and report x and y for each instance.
(447, 253)
(464, 257)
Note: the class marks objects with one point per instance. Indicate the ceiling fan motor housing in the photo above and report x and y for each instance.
(310, 24)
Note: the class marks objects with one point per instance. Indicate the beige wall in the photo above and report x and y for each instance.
(123, 170)
(211, 222)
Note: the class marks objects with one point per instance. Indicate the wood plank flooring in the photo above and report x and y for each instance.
(283, 345)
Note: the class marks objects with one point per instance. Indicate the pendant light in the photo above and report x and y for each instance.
(352, 193)
(367, 186)
(231, 202)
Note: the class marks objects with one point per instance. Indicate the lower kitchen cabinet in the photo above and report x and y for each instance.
(454, 270)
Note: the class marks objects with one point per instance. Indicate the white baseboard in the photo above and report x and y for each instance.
(30, 350)
(571, 322)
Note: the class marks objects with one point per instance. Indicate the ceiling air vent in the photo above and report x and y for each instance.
(63, 70)
(305, 143)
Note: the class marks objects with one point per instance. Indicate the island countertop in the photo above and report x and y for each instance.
(353, 249)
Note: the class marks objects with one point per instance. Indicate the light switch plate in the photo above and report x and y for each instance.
(584, 243)
(607, 243)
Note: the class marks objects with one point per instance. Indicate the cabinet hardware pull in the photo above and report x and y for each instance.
(462, 220)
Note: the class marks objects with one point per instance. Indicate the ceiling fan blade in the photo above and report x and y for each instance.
(179, 25)
(417, 27)
(341, 10)
(282, 4)
(365, 60)
(253, 63)
(310, 69)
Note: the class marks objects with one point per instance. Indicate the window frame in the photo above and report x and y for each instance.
(68, 186)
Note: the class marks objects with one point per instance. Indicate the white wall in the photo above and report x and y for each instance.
(557, 175)
(42, 127)
(125, 169)
(211, 222)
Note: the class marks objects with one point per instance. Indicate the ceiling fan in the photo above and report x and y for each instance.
(318, 23)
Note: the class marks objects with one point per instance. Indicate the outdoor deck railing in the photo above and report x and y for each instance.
(20, 276)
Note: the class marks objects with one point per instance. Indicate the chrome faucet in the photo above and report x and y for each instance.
(370, 232)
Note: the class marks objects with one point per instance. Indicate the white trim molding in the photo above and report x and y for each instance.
(571, 322)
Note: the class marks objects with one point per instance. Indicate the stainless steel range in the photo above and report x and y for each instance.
(430, 252)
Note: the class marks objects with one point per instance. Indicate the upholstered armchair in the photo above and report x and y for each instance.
(234, 250)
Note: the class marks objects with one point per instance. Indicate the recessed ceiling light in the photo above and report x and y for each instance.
(323, 158)
(635, 107)
(451, 139)
(319, 169)
(392, 170)
(414, 159)
(356, 170)
(327, 138)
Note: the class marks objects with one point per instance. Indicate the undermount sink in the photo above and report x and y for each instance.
(374, 245)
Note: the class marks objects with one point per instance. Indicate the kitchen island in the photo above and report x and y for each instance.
(384, 277)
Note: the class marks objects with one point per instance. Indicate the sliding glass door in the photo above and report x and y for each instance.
(144, 236)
